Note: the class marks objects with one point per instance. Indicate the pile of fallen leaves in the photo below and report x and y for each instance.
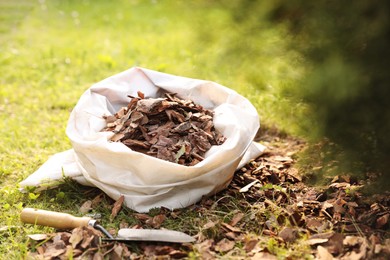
(336, 221)
(169, 128)
(267, 212)
(80, 243)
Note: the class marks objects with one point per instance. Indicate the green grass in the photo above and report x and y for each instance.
(52, 51)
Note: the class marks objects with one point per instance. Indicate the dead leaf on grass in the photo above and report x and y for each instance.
(382, 221)
(236, 218)
(76, 237)
(230, 228)
(249, 244)
(210, 224)
(288, 234)
(142, 216)
(323, 254)
(97, 200)
(204, 248)
(224, 245)
(117, 206)
(86, 207)
(38, 237)
(335, 244)
(156, 221)
(316, 241)
(264, 255)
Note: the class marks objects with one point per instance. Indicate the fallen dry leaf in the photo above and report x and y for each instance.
(316, 241)
(335, 243)
(323, 253)
(156, 221)
(352, 241)
(38, 237)
(210, 224)
(76, 237)
(142, 216)
(53, 252)
(86, 207)
(97, 200)
(382, 221)
(204, 248)
(117, 206)
(249, 244)
(236, 218)
(288, 234)
(224, 245)
(264, 255)
(230, 228)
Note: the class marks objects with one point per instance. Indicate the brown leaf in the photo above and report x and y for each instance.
(210, 224)
(86, 207)
(352, 241)
(323, 253)
(153, 250)
(293, 172)
(316, 241)
(142, 217)
(264, 255)
(178, 254)
(97, 200)
(156, 221)
(123, 224)
(282, 158)
(323, 235)
(231, 235)
(250, 244)
(288, 234)
(230, 228)
(98, 256)
(52, 252)
(116, 253)
(358, 254)
(87, 241)
(140, 95)
(236, 218)
(76, 237)
(40, 250)
(117, 206)
(382, 221)
(224, 245)
(335, 243)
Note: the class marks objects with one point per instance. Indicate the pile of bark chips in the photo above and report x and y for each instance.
(168, 128)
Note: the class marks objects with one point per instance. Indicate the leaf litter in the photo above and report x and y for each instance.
(277, 214)
(169, 128)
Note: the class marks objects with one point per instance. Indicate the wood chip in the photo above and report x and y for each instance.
(169, 128)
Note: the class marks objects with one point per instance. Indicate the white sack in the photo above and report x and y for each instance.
(147, 182)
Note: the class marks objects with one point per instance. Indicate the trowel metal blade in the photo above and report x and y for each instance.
(161, 235)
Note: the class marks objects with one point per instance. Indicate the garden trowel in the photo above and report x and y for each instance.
(66, 221)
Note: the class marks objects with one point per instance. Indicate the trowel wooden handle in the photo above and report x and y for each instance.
(52, 219)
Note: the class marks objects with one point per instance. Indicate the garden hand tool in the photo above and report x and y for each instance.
(66, 221)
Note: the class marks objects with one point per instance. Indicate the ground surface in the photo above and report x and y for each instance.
(267, 212)
(52, 51)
